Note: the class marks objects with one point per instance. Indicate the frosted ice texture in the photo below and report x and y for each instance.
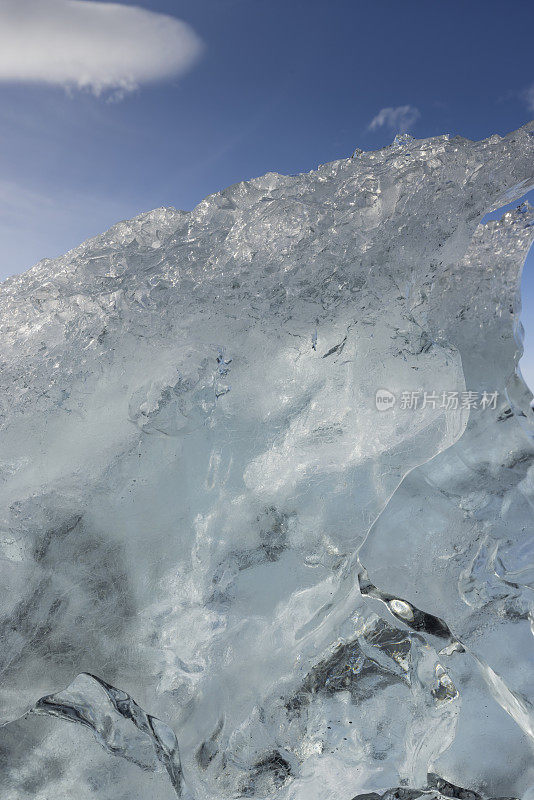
(225, 573)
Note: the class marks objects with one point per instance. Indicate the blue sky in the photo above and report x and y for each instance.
(139, 111)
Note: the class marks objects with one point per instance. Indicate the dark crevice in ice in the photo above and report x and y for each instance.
(416, 619)
(267, 776)
(436, 789)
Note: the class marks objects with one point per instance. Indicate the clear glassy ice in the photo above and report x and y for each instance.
(267, 491)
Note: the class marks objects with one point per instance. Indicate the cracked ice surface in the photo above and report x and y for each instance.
(226, 573)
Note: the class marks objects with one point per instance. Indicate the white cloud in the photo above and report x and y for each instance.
(99, 46)
(399, 119)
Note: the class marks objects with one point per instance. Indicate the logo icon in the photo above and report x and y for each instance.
(384, 399)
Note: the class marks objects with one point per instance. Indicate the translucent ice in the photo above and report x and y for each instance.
(267, 483)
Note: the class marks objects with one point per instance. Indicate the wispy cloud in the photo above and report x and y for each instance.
(529, 98)
(399, 119)
(96, 46)
(37, 224)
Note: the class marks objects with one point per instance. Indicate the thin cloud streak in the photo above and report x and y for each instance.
(36, 224)
(529, 98)
(100, 47)
(400, 119)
